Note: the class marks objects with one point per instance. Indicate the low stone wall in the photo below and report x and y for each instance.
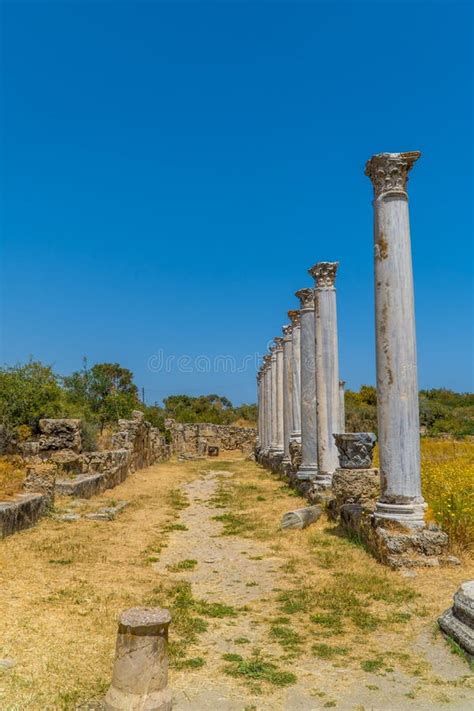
(195, 438)
(22, 512)
(55, 463)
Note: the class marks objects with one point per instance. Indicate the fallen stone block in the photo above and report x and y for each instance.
(301, 518)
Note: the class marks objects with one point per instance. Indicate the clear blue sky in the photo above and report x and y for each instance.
(171, 170)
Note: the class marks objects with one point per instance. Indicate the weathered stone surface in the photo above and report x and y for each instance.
(60, 434)
(7, 663)
(397, 382)
(301, 518)
(41, 479)
(140, 674)
(458, 621)
(22, 512)
(355, 449)
(67, 517)
(191, 438)
(394, 544)
(355, 486)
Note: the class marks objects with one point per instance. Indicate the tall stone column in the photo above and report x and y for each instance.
(268, 402)
(397, 382)
(287, 392)
(274, 396)
(327, 368)
(260, 408)
(294, 317)
(309, 446)
(342, 406)
(279, 394)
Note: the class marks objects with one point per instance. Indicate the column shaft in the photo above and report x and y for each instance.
(309, 447)
(397, 381)
(296, 374)
(274, 400)
(327, 369)
(287, 392)
(342, 406)
(279, 394)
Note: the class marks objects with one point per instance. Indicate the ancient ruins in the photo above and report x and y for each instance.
(301, 432)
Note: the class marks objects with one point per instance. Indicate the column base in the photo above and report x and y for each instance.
(307, 472)
(410, 514)
(323, 480)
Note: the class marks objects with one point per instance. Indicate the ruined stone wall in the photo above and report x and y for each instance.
(195, 438)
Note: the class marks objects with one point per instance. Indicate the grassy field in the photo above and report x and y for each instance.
(330, 616)
(447, 475)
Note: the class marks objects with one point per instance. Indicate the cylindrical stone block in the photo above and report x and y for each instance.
(140, 675)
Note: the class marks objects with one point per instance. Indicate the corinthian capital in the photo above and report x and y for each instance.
(287, 330)
(278, 343)
(306, 297)
(324, 274)
(294, 316)
(389, 171)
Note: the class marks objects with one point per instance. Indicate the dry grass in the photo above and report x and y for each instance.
(12, 475)
(63, 585)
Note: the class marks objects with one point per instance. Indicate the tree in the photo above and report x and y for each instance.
(27, 393)
(104, 393)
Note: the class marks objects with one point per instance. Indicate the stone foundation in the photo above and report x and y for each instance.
(195, 438)
(396, 545)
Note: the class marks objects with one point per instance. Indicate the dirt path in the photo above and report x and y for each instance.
(262, 619)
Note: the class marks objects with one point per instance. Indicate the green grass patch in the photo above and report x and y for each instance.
(187, 564)
(372, 665)
(258, 668)
(231, 657)
(325, 651)
(241, 640)
(177, 499)
(296, 600)
(235, 524)
(286, 637)
(330, 621)
(215, 609)
(175, 527)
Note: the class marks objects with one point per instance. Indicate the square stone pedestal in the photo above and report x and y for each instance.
(458, 622)
(396, 545)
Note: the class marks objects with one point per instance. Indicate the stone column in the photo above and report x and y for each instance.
(327, 368)
(397, 382)
(342, 406)
(294, 317)
(274, 404)
(279, 394)
(259, 409)
(268, 402)
(140, 673)
(287, 392)
(309, 446)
